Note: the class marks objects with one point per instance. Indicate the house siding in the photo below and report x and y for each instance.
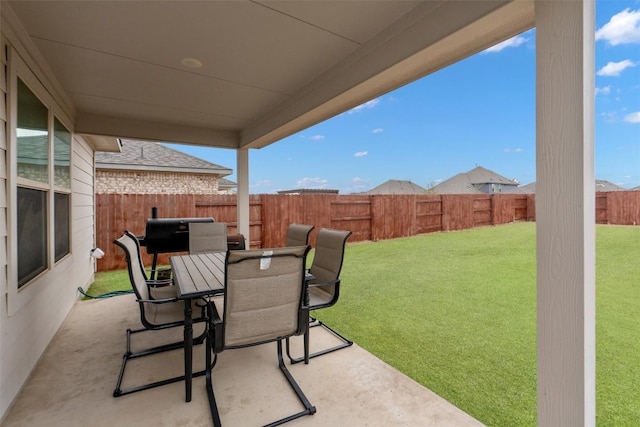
(6, 393)
(29, 318)
(142, 182)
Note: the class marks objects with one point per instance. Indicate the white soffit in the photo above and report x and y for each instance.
(269, 68)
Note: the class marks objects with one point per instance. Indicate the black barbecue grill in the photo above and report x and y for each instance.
(165, 235)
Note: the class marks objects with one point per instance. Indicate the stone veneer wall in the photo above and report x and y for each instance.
(138, 182)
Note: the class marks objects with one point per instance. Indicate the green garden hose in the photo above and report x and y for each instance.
(105, 295)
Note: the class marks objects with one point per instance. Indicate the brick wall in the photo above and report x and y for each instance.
(137, 182)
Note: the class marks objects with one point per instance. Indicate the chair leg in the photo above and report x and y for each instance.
(312, 324)
(309, 409)
(209, 384)
(146, 352)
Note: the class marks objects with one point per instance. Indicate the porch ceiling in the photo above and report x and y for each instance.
(269, 68)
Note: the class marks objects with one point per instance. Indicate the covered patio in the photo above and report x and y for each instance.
(243, 75)
(72, 385)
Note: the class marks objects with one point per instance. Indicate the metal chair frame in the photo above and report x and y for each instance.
(216, 344)
(128, 355)
(313, 322)
(298, 234)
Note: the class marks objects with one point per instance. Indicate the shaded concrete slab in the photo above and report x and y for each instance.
(74, 381)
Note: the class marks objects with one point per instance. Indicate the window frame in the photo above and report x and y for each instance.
(59, 189)
(19, 296)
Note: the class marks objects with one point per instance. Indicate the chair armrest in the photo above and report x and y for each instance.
(216, 326)
(159, 301)
(162, 292)
(319, 284)
(158, 283)
(303, 320)
(214, 316)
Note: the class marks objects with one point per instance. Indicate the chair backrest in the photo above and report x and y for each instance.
(235, 242)
(264, 295)
(328, 257)
(298, 234)
(131, 247)
(207, 237)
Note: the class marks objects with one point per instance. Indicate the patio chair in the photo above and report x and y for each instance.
(159, 309)
(235, 242)
(263, 302)
(324, 287)
(207, 237)
(298, 234)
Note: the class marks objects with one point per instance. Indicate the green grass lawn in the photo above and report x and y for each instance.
(457, 312)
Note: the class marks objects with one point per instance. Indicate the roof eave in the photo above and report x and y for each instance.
(152, 168)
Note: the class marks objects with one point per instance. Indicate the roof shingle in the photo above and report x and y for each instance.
(147, 155)
(470, 182)
(394, 186)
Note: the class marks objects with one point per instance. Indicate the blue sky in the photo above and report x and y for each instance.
(478, 112)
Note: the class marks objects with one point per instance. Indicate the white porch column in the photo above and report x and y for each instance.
(242, 168)
(565, 212)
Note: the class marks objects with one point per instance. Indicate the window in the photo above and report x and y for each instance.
(43, 202)
(32, 234)
(33, 175)
(62, 181)
(62, 215)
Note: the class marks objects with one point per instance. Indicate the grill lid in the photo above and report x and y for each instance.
(164, 235)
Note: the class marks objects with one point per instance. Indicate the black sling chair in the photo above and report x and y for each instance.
(298, 234)
(263, 302)
(159, 309)
(324, 288)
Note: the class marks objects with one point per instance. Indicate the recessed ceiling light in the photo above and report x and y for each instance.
(191, 63)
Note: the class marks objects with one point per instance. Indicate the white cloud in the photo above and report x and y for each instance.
(377, 130)
(263, 183)
(262, 186)
(434, 183)
(357, 185)
(622, 28)
(358, 181)
(512, 42)
(633, 117)
(312, 183)
(366, 105)
(360, 154)
(513, 150)
(316, 137)
(603, 90)
(613, 69)
(609, 116)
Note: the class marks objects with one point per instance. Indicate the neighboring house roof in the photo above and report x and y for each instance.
(309, 191)
(225, 184)
(601, 185)
(473, 181)
(153, 156)
(530, 188)
(394, 186)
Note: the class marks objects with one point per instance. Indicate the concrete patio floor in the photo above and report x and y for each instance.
(73, 383)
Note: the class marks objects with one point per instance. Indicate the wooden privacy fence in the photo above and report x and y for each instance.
(369, 217)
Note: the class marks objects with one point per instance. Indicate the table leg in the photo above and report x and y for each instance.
(188, 349)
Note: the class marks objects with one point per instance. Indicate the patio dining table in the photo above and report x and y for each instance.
(196, 276)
